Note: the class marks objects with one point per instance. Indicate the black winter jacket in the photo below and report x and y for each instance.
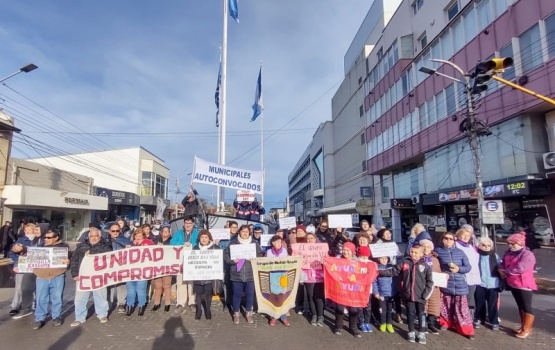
(417, 284)
(245, 275)
(191, 208)
(82, 249)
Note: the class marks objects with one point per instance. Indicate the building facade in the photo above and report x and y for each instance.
(129, 172)
(38, 193)
(420, 160)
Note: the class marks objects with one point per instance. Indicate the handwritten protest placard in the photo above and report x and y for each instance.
(287, 223)
(242, 251)
(131, 264)
(220, 233)
(384, 249)
(440, 279)
(42, 258)
(203, 265)
(348, 282)
(313, 254)
(340, 220)
(265, 240)
(245, 196)
(276, 281)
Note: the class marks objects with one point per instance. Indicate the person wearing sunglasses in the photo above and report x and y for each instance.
(50, 284)
(117, 293)
(455, 312)
(487, 292)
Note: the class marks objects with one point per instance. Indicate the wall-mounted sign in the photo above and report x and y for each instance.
(386, 213)
(401, 203)
(77, 201)
(492, 212)
(118, 197)
(517, 188)
(367, 192)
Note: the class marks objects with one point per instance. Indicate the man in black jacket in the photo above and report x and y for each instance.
(6, 238)
(191, 204)
(94, 245)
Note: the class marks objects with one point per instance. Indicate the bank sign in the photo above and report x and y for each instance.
(118, 197)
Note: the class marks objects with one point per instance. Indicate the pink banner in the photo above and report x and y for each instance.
(313, 254)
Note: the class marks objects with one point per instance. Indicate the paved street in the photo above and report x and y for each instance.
(167, 331)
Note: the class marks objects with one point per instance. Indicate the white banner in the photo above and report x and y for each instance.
(440, 279)
(242, 251)
(340, 220)
(215, 174)
(132, 264)
(265, 240)
(160, 208)
(203, 265)
(220, 234)
(287, 223)
(42, 258)
(245, 196)
(384, 249)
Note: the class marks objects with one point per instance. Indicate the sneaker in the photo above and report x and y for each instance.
(495, 327)
(23, 314)
(249, 317)
(314, 321)
(286, 323)
(13, 312)
(362, 327)
(273, 322)
(389, 328)
(470, 337)
(57, 322)
(477, 324)
(300, 311)
(320, 321)
(411, 337)
(432, 328)
(76, 323)
(121, 309)
(383, 327)
(338, 332)
(368, 328)
(103, 319)
(38, 325)
(357, 335)
(422, 338)
(179, 309)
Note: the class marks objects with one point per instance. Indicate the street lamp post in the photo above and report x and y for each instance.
(26, 69)
(472, 132)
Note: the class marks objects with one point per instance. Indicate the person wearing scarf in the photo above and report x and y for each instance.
(241, 275)
(487, 293)
(433, 305)
(517, 268)
(465, 243)
(276, 250)
(348, 252)
(204, 288)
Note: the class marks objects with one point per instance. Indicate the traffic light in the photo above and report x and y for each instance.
(485, 69)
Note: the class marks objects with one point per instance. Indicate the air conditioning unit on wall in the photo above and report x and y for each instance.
(549, 160)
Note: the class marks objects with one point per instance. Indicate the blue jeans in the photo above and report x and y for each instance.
(136, 290)
(100, 298)
(49, 290)
(238, 289)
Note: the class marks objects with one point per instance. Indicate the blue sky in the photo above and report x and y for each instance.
(138, 66)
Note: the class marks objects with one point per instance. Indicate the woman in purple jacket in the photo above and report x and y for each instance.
(517, 268)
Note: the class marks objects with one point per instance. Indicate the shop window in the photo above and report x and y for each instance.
(146, 183)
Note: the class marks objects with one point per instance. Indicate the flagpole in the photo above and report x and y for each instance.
(262, 140)
(223, 101)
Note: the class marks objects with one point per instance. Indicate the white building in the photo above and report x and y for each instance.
(132, 170)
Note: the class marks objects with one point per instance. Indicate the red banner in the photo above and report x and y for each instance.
(349, 282)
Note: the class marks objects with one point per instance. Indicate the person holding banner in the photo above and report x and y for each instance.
(162, 285)
(137, 290)
(433, 305)
(50, 285)
(118, 292)
(365, 313)
(204, 288)
(241, 274)
(191, 204)
(277, 251)
(94, 245)
(313, 279)
(187, 238)
(256, 210)
(243, 209)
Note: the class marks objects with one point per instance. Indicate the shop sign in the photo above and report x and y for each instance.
(76, 201)
(492, 212)
(367, 192)
(118, 197)
(401, 203)
(517, 188)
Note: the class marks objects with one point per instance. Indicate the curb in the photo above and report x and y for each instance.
(545, 285)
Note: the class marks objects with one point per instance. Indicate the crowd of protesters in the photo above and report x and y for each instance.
(469, 300)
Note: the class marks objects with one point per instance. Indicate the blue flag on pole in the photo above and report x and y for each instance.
(217, 94)
(257, 106)
(233, 9)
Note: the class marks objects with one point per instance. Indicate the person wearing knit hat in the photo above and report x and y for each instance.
(299, 236)
(348, 253)
(517, 268)
(363, 252)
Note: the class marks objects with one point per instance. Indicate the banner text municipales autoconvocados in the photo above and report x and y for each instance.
(226, 182)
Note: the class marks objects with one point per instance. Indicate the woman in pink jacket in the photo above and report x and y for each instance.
(517, 269)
